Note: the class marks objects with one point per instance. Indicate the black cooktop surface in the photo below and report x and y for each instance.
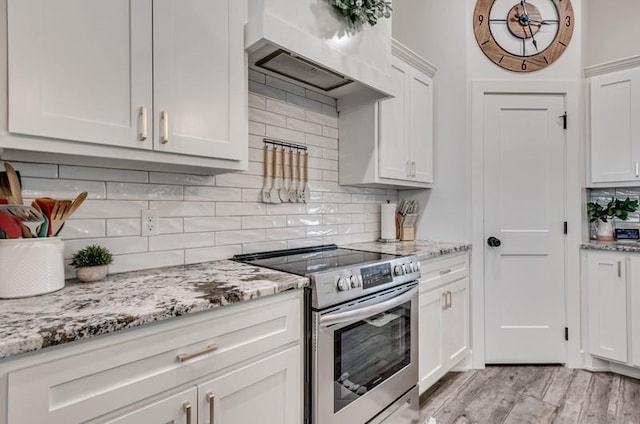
(312, 260)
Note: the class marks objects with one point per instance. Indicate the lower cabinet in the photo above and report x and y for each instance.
(443, 320)
(239, 364)
(613, 306)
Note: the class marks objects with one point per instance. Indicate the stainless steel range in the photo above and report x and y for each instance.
(364, 332)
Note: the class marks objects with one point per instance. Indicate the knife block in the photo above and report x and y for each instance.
(405, 226)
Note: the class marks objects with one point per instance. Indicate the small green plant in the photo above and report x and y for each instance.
(360, 12)
(616, 208)
(93, 255)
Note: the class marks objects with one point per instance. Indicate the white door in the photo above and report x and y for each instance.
(176, 409)
(268, 391)
(430, 337)
(81, 70)
(524, 209)
(200, 103)
(607, 305)
(456, 323)
(393, 132)
(634, 282)
(421, 125)
(615, 127)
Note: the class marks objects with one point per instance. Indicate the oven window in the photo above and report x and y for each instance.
(369, 352)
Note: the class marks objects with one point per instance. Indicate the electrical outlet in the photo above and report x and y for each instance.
(149, 222)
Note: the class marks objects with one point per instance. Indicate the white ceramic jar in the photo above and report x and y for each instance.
(30, 267)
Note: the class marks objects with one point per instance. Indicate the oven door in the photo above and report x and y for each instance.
(365, 355)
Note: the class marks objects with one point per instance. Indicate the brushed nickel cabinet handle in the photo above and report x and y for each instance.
(445, 272)
(186, 356)
(142, 136)
(637, 169)
(408, 169)
(444, 301)
(413, 168)
(619, 269)
(210, 399)
(450, 300)
(164, 125)
(187, 411)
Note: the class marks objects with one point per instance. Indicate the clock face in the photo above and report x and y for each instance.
(525, 35)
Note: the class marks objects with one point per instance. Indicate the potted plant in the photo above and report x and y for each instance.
(91, 263)
(602, 215)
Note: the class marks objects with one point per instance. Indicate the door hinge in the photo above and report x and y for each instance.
(566, 333)
(564, 120)
(566, 227)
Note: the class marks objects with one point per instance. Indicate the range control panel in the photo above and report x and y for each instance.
(337, 286)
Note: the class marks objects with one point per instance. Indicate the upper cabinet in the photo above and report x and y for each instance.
(160, 81)
(390, 143)
(615, 128)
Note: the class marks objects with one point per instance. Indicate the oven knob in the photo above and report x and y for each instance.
(354, 282)
(343, 284)
(418, 266)
(398, 270)
(412, 267)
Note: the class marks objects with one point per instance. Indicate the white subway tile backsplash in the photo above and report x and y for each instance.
(102, 174)
(239, 237)
(213, 194)
(123, 227)
(207, 217)
(131, 191)
(181, 241)
(61, 189)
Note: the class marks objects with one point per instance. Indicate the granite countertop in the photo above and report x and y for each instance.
(424, 249)
(132, 299)
(613, 246)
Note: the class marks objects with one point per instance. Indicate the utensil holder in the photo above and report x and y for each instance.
(405, 226)
(29, 267)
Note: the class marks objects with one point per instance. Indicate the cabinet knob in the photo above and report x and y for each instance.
(494, 242)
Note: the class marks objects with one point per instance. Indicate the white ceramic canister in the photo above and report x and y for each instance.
(30, 267)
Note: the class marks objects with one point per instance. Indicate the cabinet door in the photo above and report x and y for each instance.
(430, 334)
(80, 69)
(393, 155)
(607, 306)
(171, 410)
(456, 323)
(615, 128)
(420, 138)
(200, 89)
(634, 281)
(268, 391)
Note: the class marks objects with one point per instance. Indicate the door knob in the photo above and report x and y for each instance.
(494, 242)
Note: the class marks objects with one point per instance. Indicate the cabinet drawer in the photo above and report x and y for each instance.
(438, 272)
(90, 382)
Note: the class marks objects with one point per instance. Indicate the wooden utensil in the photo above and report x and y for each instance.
(58, 213)
(266, 183)
(76, 203)
(284, 190)
(14, 184)
(292, 184)
(298, 194)
(274, 194)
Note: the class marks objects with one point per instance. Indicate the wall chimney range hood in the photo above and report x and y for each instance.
(306, 42)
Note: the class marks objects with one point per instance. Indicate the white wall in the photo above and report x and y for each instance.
(434, 29)
(613, 30)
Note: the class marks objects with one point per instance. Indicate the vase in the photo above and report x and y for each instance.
(604, 231)
(91, 273)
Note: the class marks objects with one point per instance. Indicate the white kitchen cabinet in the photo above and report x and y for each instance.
(161, 81)
(607, 305)
(175, 409)
(267, 391)
(615, 128)
(390, 142)
(242, 354)
(443, 317)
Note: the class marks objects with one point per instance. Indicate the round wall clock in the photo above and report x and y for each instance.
(523, 36)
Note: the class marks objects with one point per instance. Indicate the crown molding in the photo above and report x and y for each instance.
(401, 51)
(613, 66)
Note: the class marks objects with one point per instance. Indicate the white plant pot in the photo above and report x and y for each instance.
(604, 231)
(91, 273)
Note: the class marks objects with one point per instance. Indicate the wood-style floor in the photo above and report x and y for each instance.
(532, 395)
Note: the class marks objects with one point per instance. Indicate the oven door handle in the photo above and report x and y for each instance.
(363, 313)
